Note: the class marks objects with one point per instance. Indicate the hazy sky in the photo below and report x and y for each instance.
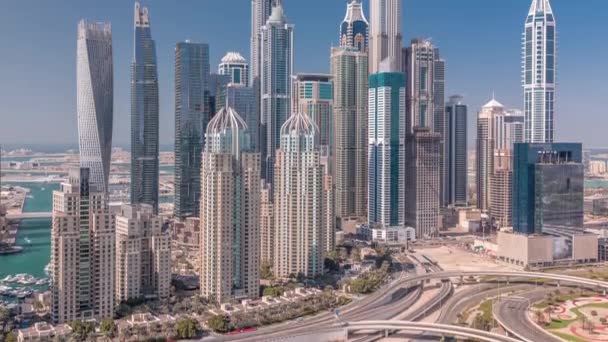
(480, 40)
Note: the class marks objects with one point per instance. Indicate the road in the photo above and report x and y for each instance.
(512, 313)
(386, 302)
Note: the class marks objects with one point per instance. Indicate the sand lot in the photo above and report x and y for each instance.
(456, 259)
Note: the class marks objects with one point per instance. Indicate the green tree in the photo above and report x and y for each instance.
(108, 328)
(273, 291)
(10, 337)
(266, 271)
(82, 330)
(219, 323)
(186, 328)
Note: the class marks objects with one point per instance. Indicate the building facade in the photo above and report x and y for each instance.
(260, 11)
(548, 187)
(235, 65)
(426, 98)
(300, 226)
(501, 189)
(349, 71)
(312, 94)
(95, 100)
(386, 137)
(191, 116)
(266, 224)
(144, 114)
(143, 254)
(385, 38)
(82, 251)
(354, 29)
(456, 141)
(277, 68)
(242, 100)
(230, 211)
(485, 146)
(539, 72)
(423, 185)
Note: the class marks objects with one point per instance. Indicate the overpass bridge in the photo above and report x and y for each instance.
(30, 216)
(603, 285)
(440, 329)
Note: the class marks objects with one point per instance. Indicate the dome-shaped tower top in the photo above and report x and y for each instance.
(226, 119)
(299, 123)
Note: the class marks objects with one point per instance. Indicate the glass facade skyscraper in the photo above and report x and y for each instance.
(386, 136)
(191, 118)
(144, 114)
(242, 100)
(456, 148)
(548, 187)
(95, 100)
(539, 70)
(235, 65)
(277, 67)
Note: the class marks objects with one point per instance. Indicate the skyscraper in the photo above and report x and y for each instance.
(548, 187)
(300, 226)
(354, 29)
(144, 114)
(143, 254)
(266, 225)
(260, 11)
(456, 141)
(277, 67)
(426, 98)
(242, 100)
(539, 70)
(95, 100)
(236, 66)
(82, 251)
(216, 93)
(385, 34)
(501, 189)
(230, 211)
(386, 138)
(191, 117)
(422, 184)
(485, 146)
(349, 70)
(508, 129)
(312, 94)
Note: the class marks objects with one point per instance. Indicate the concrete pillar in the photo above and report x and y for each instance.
(558, 284)
(385, 333)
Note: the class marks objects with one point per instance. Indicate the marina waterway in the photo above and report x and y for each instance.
(34, 236)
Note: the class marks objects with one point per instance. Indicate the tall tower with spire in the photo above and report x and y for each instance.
(275, 82)
(144, 114)
(539, 70)
(385, 34)
(354, 29)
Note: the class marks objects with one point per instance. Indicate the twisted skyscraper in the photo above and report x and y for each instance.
(144, 114)
(95, 100)
(539, 69)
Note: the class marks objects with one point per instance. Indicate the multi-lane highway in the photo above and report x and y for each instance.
(398, 296)
(512, 314)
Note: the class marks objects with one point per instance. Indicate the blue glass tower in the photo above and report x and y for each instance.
(386, 118)
(548, 187)
(191, 118)
(144, 114)
(354, 29)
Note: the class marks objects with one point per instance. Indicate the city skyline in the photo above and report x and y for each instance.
(57, 107)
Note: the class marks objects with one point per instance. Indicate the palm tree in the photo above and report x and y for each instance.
(539, 317)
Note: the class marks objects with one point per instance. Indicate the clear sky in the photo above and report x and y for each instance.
(480, 40)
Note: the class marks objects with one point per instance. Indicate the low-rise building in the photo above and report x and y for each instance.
(387, 235)
(43, 331)
(549, 249)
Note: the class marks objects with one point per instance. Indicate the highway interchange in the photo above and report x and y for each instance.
(400, 304)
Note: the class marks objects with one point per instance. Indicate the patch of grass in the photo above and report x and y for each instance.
(486, 309)
(559, 324)
(567, 337)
